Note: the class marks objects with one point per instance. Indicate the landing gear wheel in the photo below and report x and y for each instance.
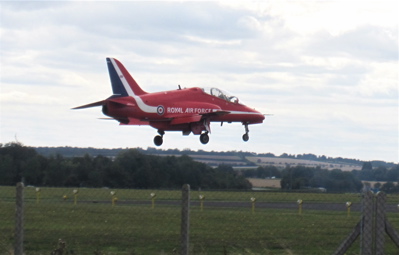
(204, 138)
(158, 140)
(245, 137)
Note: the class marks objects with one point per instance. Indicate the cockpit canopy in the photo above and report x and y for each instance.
(221, 94)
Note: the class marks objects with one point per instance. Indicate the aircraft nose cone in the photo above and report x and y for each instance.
(261, 116)
(258, 117)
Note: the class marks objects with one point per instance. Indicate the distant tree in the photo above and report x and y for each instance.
(333, 180)
(307, 156)
(296, 177)
(367, 166)
(393, 174)
(16, 161)
(284, 155)
(323, 158)
(388, 187)
(7, 170)
(366, 173)
(226, 178)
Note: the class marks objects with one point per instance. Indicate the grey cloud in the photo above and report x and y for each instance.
(156, 20)
(147, 29)
(344, 80)
(365, 43)
(23, 6)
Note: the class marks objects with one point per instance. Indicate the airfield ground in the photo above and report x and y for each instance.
(226, 225)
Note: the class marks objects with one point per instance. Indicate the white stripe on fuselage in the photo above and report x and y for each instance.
(144, 107)
(249, 113)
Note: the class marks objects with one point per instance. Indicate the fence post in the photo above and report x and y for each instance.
(372, 227)
(185, 219)
(392, 233)
(344, 246)
(19, 220)
(367, 222)
(380, 223)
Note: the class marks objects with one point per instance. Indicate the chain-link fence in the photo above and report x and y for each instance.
(127, 221)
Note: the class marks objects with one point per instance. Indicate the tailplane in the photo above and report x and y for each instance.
(122, 82)
(99, 103)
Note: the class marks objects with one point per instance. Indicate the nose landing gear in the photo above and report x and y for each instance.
(245, 137)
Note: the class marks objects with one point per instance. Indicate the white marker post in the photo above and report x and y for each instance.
(300, 202)
(153, 195)
(113, 198)
(202, 198)
(75, 194)
(348, 208)
(37, 195)
(253, 200)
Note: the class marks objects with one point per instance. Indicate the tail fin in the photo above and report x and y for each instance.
(122, 82)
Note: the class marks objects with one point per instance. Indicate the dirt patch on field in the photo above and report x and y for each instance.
(284, 162)
(372, 183)
(264, 183)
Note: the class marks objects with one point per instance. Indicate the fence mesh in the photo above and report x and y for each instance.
(128, 221)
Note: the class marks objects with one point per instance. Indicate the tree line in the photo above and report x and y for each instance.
(336, 180)
(74, 152)
(301, 177)
(308, 178)
(379, 174)
(129, 169)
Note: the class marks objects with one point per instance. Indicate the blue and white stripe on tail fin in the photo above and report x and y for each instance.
(122, 82)
(123, 85)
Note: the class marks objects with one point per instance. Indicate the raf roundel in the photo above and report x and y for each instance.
(160, 110)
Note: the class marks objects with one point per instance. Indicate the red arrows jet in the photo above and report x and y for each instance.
(187, 110)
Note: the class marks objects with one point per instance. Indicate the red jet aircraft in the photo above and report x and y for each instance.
(187, 110)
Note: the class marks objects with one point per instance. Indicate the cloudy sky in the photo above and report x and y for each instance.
(326, 70)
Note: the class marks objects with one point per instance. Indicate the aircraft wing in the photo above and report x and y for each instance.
(133, 121)
(217, 113)
(128, 121)
(195, 118)
(186, 119)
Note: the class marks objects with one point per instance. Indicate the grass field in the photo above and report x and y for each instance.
(100, 228)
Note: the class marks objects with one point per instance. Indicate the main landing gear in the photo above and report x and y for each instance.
(245, 137)
(158, 140)
(204, 138)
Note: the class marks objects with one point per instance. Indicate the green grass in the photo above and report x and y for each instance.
(138, 229)
(88, 194)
